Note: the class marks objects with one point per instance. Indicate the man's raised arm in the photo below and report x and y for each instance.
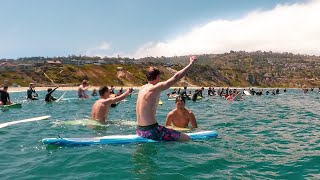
(175, 78)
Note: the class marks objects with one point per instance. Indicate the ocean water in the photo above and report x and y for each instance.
(261, 137)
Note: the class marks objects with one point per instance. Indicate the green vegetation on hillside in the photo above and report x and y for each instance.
(262, 69)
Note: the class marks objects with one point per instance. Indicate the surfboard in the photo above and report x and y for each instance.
(118, 139)
(85, 122)
(178, 128)
(59, 99)
(23, 121)
(238, 96)
(14, 105)
(80, 122)
(247, 93)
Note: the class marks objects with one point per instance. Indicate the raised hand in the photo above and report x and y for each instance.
(193, 59)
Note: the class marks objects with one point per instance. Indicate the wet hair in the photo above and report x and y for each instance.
(49, 89)
(102, 90)
(180, 98)
(84, 82)
(152, 73)
(5, 87)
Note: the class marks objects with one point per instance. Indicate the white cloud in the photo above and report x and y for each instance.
(101, 50)
(286, 28)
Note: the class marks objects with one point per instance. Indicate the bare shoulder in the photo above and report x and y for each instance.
(171, 113)
(190, 112)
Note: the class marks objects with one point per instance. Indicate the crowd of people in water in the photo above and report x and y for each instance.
(147, 102)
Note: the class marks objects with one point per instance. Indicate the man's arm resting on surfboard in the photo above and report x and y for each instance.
(175, 78)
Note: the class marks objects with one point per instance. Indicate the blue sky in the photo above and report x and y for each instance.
(111, 27)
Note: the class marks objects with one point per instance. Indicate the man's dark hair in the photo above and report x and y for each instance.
(49, 89)
(152, 73)
(180, 98)
(102, 90)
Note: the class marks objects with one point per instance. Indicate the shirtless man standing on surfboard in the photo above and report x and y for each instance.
(147, 103)
(101, 107)
(180, 116)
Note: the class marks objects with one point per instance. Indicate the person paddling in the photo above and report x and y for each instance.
(4, 96)
(147, 102)
(49, 97)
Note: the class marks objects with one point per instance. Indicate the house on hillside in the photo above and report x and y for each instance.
(25, 67)
(38, 63)
(77, 62)
(7, 66)
(55, 63)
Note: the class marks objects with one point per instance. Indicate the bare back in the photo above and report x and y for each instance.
(147, 103)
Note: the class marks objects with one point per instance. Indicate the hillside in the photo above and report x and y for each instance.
(260, 69)
(133, 75)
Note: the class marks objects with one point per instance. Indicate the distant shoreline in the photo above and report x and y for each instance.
(74, 88)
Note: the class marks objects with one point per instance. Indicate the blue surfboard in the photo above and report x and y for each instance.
(118, 139)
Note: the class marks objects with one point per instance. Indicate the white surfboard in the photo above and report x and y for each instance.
(23, 121)
(59, 99)
(238, 96)
(247, 93)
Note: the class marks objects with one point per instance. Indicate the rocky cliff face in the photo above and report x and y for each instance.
(252, 80)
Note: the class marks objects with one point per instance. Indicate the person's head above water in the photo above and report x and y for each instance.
(5, 88)
(180, 102)
(153, 73)
(103, 91)
(85, 82)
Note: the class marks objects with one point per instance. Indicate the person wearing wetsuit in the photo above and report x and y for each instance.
(31, 92)
(4, 96)
(94, 93)
(112, 90)
(49, 97)
(184, 93)
(120, 92)
(196, 94)
(210, 92)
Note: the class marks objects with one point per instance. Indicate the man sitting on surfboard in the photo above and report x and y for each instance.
(101, 107)
(82, 88)
(49, 97)
(147, 102)
(4, 96)
(180, 116)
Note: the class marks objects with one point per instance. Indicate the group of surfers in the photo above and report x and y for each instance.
(227, 93)
(146, 106)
